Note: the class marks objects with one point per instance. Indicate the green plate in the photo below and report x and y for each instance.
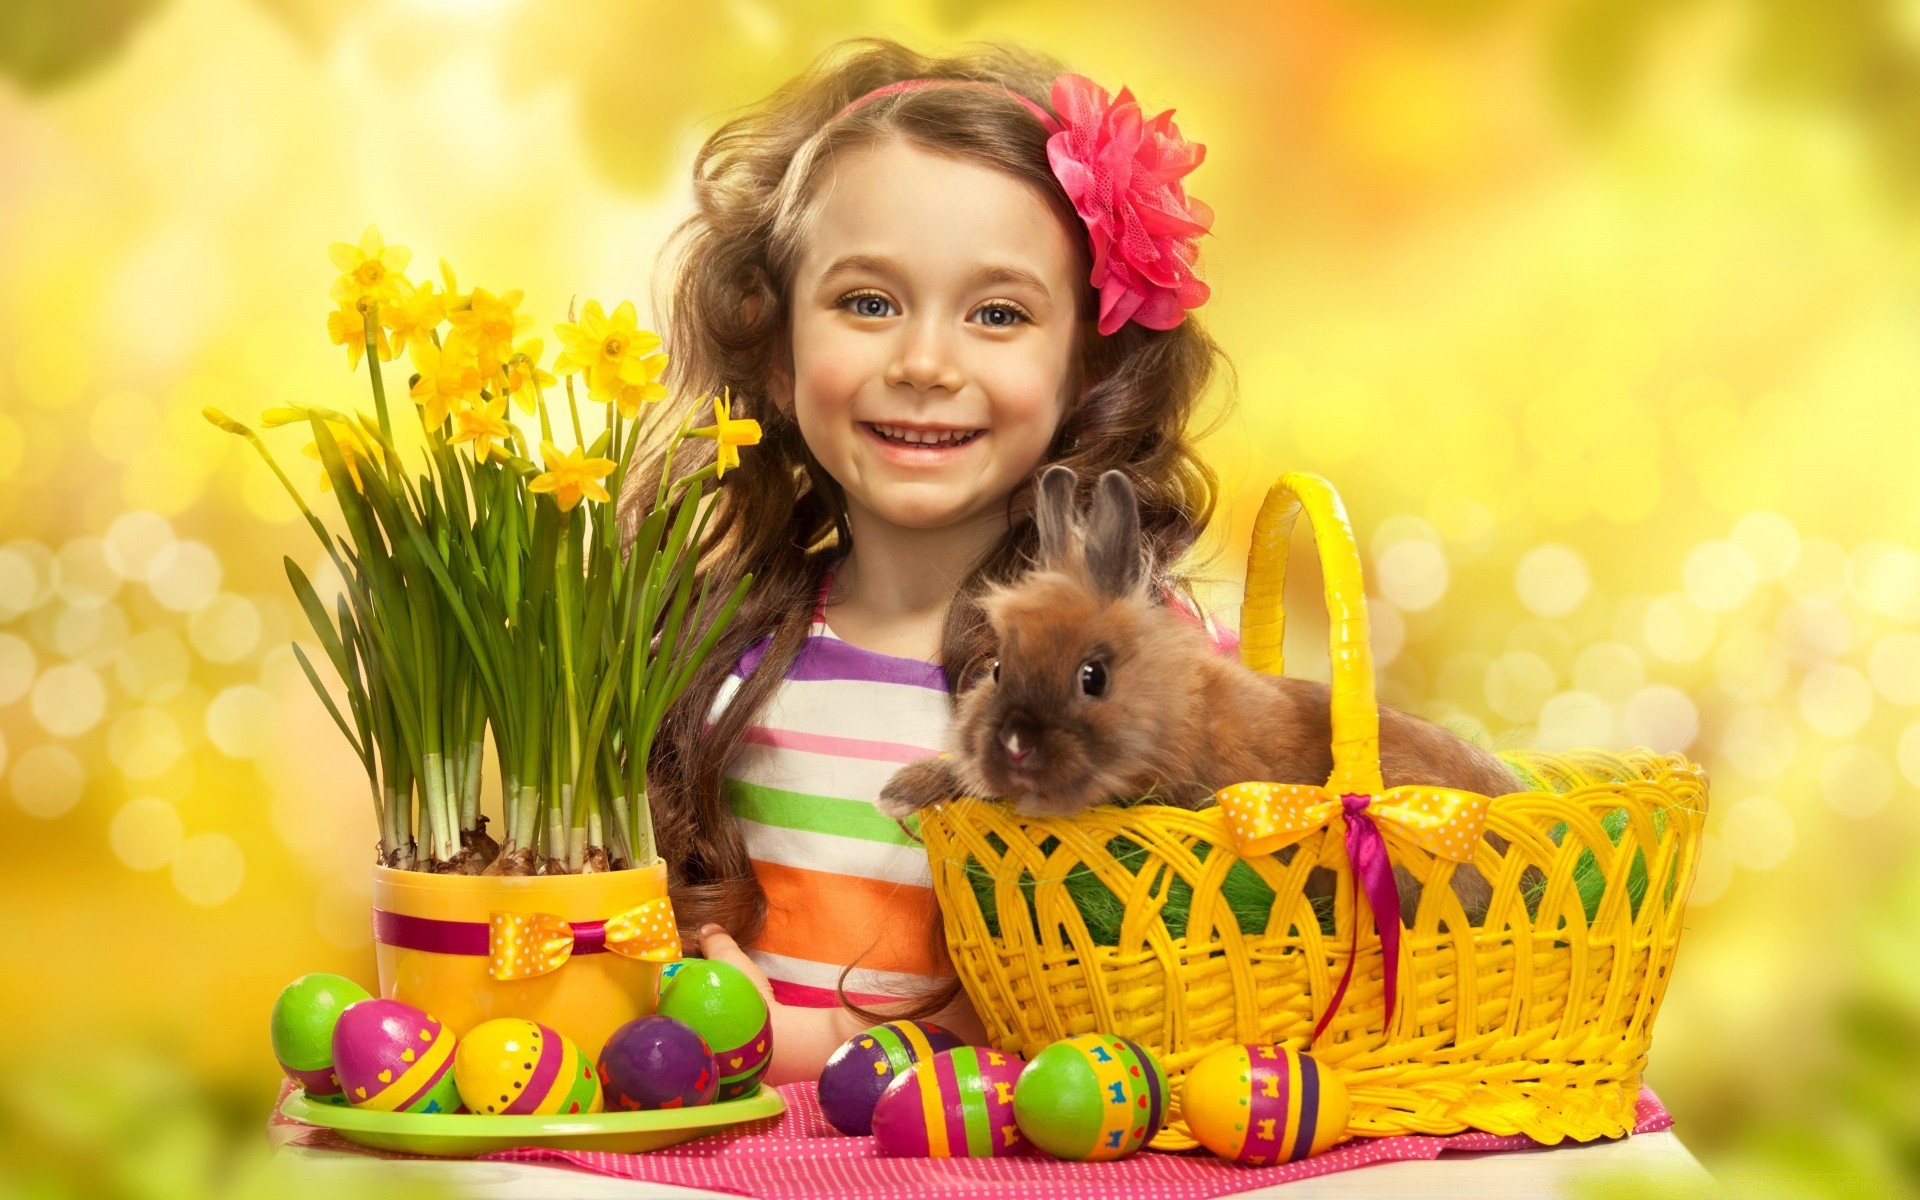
(463, 1135)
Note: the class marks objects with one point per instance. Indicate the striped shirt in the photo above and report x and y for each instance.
(842, 883)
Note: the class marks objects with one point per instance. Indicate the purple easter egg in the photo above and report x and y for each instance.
(969, 1113)
(657, 1062)
(392, 1057)
(860, 1070)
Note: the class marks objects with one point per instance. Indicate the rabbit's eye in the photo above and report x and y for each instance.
(996, 670)
(1093, 678)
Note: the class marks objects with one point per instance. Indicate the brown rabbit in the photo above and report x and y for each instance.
(1102, 695)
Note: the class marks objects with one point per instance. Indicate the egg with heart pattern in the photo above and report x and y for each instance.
(852, 1081)
(515, 1067)
(301, 1027)
(723, 1006)
(391, 1057)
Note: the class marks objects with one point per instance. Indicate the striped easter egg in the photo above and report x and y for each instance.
(723, 1006)
(1091, 1098)
(1259, 1104)
(517, 1067)
(956, 1104)
(302, 1030)
(391, 1057)
(860, 1070)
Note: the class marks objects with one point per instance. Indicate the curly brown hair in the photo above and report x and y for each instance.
(779, 515)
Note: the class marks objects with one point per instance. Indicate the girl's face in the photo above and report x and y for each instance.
(934, 312)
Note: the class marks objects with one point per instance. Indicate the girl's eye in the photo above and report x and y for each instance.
(868, 304)
(1001, 315)
(996, 670)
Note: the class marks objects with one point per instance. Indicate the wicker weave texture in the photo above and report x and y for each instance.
(1535, 1019)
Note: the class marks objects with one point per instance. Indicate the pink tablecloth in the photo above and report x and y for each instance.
(799, 1155)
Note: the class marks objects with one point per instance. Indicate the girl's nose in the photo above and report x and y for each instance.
(926, 359)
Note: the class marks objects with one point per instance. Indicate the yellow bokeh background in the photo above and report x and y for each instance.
(1604, 318)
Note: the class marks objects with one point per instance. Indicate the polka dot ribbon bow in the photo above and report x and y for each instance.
(523, 945)
(1263, 817)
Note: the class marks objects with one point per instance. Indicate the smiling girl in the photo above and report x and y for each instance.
(927, 278)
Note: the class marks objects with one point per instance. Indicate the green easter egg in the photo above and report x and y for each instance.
(304, 1017)
(1091, 1098)
(722, 1006)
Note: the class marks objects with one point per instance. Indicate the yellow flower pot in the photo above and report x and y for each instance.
(586, 998)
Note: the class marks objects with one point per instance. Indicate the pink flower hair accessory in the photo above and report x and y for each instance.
(1122, 171)
(1123, 174)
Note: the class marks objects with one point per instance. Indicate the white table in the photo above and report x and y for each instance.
(1519, 1173)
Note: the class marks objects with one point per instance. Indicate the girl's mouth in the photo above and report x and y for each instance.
(920, 443)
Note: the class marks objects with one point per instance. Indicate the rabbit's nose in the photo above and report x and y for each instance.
(1017, 736)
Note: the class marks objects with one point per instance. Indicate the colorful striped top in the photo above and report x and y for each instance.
(843, 884)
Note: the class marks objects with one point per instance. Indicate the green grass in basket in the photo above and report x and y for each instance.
(1248, 897)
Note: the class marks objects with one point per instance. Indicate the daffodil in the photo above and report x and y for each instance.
(347, 326)
(449, 378)
(730, 433)
(351, 451)
(371, 270)
(483, 427)
(611, 350)
(413, 320)
(630, 396)
(524, 376)
(572, 475)
(492, 324)
(456, 299)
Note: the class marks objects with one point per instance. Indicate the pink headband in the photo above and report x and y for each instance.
(1123, 174)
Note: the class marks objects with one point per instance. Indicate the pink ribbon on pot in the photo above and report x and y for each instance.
(1264, 817)
(521, 945)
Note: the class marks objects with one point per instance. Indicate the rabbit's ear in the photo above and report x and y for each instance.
(1114, 560)
(1053, 515)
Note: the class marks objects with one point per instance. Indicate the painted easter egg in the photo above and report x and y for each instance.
(722, 1005)
(302, 1029)
(861, 1069)
(391, 1057)
(667, 972)
(1261, 1104)
(955, 1104)
(657, 1062)
(1091, 1098)
(515, 1067)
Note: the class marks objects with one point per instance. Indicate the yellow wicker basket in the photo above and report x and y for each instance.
(1535, 1021)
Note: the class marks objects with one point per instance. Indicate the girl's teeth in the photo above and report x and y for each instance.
(924, 438)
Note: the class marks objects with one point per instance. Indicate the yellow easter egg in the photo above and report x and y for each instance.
(517, 1067)
(1259, 1104)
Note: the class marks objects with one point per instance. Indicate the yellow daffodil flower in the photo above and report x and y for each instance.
(572, 475)
(631, 396)
(449, 377)
(611, 350)
(524, 376)
(347, 326)
(491, 323)
(372, 270)
(413, 320)
(456, 299)
(731, 434)
(483, 427)
(351, 451)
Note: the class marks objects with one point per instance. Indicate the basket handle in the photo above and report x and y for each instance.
(1263, 618)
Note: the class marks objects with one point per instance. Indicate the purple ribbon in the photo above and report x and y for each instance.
(1373, 874)
(466, 937)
